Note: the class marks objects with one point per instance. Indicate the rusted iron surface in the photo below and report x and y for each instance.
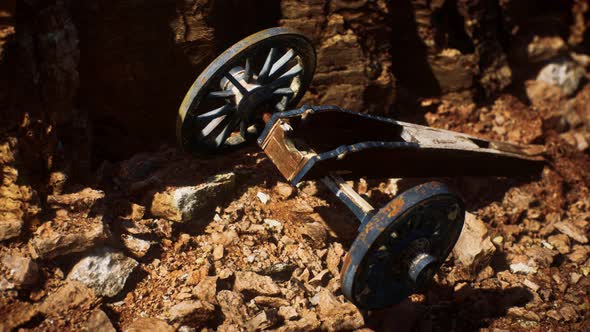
(324, 139)
(400, 249)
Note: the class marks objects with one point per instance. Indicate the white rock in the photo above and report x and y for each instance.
(522, 268)
(564, 74)
(264, 198)
(274, 224)
(104, 270)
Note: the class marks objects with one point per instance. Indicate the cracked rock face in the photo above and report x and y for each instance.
(187, 203)
(77, 226)
(104, 270)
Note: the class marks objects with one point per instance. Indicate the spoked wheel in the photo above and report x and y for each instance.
(402, 247)
(264, 73)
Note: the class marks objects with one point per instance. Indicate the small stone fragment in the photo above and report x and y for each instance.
(10, 227)
(284, 190)
(256, 284)
(498, 240)
(523, 313)
(206, 289)
(572, 231)
(192, 312)
(337, 316)
(523, 264)
(542, 257)
(99, 322)
(561, 242)
(333, 258)
(315, 234)
(136, 246)
(104, 270)
(288, 313)
(308, 322)
(17, 272)
(320, 279)
(269, 301)
(262, 197)
(575, 277)
(218, 252)
(226, 238)
(149, 325)
(197, 275)
(275, 225)
(568, 313)
(262, 321)
(543, 48)
(534, 287)
(232, 306)
(579, 254)
(474, 249)
(71, 296)
(554, 315)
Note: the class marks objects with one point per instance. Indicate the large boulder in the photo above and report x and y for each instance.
(104, 270)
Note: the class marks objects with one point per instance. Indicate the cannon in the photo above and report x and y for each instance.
(250, 93)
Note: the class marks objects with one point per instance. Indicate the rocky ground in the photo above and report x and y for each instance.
(165, 241)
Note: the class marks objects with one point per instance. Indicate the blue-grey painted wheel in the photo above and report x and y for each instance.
(402, 247)
(264, 73)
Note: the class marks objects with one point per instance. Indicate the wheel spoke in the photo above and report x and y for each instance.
(224, 134)
(281, 62)
(263, 75)
(223, 110)
(243, 129)
(292, 72)
(237, 84)
(283, 92)
(285, 79)
(212, 125)
(221, 94)
(247, 70)
(280, 107)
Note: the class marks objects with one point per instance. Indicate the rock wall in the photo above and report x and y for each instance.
(87, 81)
